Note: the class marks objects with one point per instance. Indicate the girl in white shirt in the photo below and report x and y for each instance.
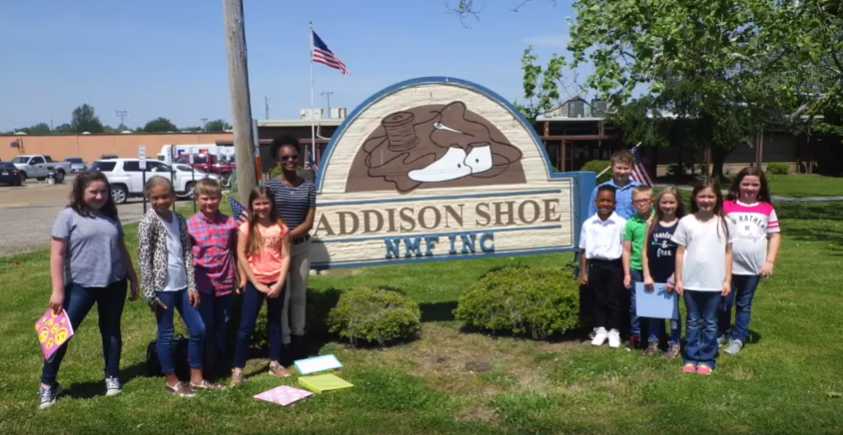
(703, 272)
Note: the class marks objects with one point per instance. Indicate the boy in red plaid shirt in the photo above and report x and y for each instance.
(213, 237)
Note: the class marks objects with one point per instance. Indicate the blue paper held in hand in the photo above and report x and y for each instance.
(656, 304)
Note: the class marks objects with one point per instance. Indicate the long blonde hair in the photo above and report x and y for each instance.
(255, 243)
(680, 208)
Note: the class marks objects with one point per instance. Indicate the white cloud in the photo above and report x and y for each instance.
(555, 40)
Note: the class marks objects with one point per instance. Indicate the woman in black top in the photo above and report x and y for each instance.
(295, 199)
(659, 261)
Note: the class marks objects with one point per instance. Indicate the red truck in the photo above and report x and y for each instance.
(212, 164)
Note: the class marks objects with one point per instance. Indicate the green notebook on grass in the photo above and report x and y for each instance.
(322, 383)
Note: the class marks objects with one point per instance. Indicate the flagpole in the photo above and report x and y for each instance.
(312, 103)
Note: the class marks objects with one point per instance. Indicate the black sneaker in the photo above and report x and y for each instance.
(48, 395)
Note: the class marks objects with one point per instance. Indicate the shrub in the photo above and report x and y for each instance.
(275, 171)
(598, 166)
(539, 302)
(778, 168)
(375, 315)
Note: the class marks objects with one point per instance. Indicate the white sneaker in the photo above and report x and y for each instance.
(614, 339)
(113, 387)
(600, 337)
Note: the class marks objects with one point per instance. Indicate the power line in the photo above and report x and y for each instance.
(122, 114)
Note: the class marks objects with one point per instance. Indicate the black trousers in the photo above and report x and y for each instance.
(605, 277)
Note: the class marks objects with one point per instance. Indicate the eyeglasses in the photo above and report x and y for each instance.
(290, 157)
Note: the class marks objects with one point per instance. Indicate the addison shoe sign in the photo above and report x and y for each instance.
(441, 169)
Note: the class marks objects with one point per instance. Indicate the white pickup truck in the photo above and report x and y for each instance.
(41, 167)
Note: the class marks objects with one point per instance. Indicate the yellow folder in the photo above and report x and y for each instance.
(322, 383)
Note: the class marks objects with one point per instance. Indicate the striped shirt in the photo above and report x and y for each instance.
(753, 224)
(293, 203)
(93, 257)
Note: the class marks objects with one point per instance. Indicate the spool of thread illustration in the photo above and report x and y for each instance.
(400, 131)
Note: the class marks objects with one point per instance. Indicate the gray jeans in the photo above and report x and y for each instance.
(295, 298)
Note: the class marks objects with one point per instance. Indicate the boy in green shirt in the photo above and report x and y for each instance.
(634, 239)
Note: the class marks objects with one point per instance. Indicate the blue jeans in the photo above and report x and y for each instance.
(78, 301)
(252, 303)
(196, 329)
(743, 291)
(701, 331)
(656, 328)
(634, 321)
(216, 312)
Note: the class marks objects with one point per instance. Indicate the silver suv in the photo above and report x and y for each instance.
(126, 177)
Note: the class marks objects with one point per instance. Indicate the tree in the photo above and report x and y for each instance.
(541, 85)
(733, 67)
(84, 119)
(40, 128)
(471, 9)
(160, 125)
(191, 129)
(64, 129)
(217, 125)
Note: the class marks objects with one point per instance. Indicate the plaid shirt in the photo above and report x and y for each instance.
(214, 252)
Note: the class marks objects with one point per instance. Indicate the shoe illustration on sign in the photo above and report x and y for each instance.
(434, 146)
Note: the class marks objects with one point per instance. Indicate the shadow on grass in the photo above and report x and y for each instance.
(91, 389)
(438, 311)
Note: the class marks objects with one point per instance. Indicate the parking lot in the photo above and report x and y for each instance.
(27, 213)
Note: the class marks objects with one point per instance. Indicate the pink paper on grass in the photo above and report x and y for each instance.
(53, 330)
(283, 395)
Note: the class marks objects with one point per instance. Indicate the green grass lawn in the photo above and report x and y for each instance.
(803, 185)
(779, 384)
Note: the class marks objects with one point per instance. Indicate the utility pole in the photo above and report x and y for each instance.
(328, 94)
(241, 107)
(205, 124)
(266, 106)
(121, 114)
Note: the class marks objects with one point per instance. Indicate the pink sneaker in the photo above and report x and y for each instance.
(689, 368)
(704, 370)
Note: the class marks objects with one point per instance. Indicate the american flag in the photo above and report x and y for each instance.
(639, 172)
(322, 54)
(241, 215)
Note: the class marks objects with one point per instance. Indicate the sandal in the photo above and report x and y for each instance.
(689, 368)
(237, 378)
(278, 370)
(205, 385)
(180, 389)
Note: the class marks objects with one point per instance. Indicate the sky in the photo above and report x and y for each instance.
(168, 57)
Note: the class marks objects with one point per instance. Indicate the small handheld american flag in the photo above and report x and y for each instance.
(639, 172)
(241, 214)
(322, 54)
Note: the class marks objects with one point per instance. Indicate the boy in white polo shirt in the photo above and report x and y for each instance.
(601, 240)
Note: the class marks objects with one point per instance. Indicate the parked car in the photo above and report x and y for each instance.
(126, 178)
(76, 165)
(211, 164)
(41, 167)
(10, 174)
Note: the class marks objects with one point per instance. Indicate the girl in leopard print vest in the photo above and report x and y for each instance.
(166, 264)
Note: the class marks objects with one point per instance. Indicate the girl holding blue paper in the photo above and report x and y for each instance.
(659, 263)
